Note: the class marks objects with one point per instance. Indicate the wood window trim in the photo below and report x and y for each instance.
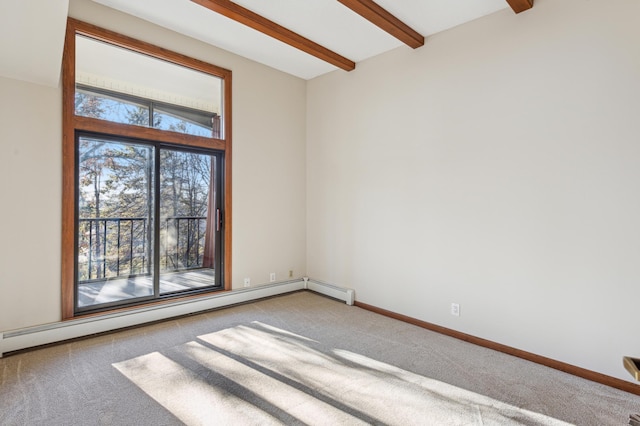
(72, 123)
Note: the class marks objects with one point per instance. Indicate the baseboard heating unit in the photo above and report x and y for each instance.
(29, 337)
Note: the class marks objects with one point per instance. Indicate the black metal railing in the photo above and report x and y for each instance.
(115, 247)
(183, 242)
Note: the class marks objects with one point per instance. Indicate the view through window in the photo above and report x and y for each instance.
(149, 169)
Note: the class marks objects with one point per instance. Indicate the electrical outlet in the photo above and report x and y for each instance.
(290, 273)
(455, 309)
(247, 282)
(272, 277)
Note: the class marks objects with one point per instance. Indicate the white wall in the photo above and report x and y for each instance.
(30, 194)
(497, 167)
(268, 174)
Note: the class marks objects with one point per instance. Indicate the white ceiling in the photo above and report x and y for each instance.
(326, 22)
(32, 39)
(32, 31)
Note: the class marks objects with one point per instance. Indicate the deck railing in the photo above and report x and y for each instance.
(112, 247)
(183, 242)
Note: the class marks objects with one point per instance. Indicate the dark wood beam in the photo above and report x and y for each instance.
(520, 5)
(374, 13)
(251, 19)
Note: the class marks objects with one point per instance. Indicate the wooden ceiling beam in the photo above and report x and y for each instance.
(374, 13)
(520, 5)
(259, 23)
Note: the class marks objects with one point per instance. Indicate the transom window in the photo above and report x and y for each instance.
(122, 108)
(146, 173)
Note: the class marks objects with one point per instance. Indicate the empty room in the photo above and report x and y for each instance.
(319, 212)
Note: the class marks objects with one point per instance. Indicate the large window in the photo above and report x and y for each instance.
(146, 174)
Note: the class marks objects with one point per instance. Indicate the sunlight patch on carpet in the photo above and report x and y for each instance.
(260, 374)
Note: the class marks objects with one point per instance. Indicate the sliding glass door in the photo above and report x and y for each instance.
(149, 222)
(189, 220)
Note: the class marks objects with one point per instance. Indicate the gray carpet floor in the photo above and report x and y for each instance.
(294, 359)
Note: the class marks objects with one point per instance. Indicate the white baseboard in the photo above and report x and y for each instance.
(56, 332)
(340, 293)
